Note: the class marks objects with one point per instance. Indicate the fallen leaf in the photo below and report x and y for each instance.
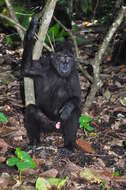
(93, 123)
(85, 146)
(73, 169)
(7, 108)
(107, 95)
(119, 109)
(91, 175)
(7, 130)
(6, 181)
(123, 101)
(49, 173)
(3, 146)
(99, 175)
(2, 159)
(28, 172)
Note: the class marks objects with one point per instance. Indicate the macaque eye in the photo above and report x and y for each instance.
(68, 59)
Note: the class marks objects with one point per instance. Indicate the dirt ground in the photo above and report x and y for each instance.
(102, 152)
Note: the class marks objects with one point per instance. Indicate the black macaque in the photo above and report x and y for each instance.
(57, 92)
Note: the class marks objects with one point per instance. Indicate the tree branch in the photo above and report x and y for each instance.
(13, 15)
(22, 28)
(13, 22)
(99, 56)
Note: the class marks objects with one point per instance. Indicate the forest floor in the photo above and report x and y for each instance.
(100, 156)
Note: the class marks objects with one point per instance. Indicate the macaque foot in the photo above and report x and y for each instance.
(64, 152)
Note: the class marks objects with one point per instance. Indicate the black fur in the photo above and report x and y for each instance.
(57, 92)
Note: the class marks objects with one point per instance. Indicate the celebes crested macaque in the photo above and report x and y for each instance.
(57, 91)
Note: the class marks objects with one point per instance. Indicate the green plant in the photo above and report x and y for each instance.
(103, 186)
(116, 173)
(23, 15)
(3, 118)
(56, 34)
(85, 121)
(22, 161)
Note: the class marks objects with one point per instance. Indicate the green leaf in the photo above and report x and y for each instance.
(53, 32)
(56, 34)
(63, 33)
(9, 40)
(26, 156)
(12, 161)
(88, 128)
(42, 184)
(22, 154)
(85, 119)
(18, 152)
(3, 118)
(22, 161)
(116, 173)
(22, 165)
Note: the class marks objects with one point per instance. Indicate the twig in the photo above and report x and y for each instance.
(13, 22)
(13, 15)
(23, 29)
